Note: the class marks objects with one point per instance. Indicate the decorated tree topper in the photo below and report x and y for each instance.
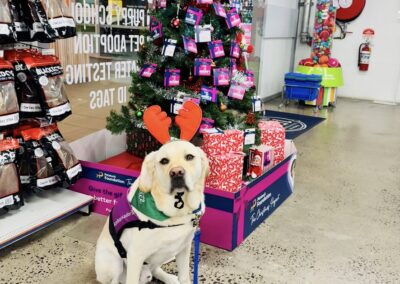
(158, 123)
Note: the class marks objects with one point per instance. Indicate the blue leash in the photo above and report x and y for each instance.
(196, 256)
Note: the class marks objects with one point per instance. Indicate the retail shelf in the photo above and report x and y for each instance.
(39, 212)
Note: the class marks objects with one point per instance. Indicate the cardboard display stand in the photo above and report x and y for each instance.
(229, 217)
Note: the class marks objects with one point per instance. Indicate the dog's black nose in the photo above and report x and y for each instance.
(177, 172)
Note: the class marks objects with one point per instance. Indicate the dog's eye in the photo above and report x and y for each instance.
(189, 157)
(164, 161)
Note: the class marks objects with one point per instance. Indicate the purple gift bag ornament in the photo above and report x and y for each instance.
(236, 91)
(209, 93)
(172, 77)
(233, 18)
(189, 44)
(219, 10)
(193, 16)
(148, 69)
(221, 77)
(235, 50)
(206, 123)
(216, 49)
(202, 67)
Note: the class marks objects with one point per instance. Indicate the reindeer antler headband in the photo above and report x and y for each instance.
(158, 123)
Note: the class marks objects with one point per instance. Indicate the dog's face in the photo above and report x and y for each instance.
(177, 168)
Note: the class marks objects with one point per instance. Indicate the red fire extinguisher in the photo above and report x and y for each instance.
(364, 55)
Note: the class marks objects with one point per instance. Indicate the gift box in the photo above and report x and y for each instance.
(189, 44)
(208, 93)
(232, 66)
(202, 67)
(204, 1)
(249, 82)
(257, 104)
(221, 77)
(162, 3)
(273, 134)
(236, 91)
(235, 4)
(155, 29)
(217, 143)
(233, 19)
(235, 49)
(148, 70)
(226, 172)
(206, 123)
(172, 77)
(216, 49)
(219, 10)
(202, 33)
(193, 16)
(261, 159)
(169, 47)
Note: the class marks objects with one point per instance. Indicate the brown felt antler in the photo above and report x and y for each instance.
(157, 123)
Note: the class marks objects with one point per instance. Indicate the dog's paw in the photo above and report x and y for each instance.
(171, 279)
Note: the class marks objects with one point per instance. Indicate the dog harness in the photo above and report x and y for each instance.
(123, 217)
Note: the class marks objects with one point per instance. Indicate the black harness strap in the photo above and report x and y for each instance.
(134, 224)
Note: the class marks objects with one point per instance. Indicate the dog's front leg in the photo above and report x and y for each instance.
(134, 263)
(183, 264)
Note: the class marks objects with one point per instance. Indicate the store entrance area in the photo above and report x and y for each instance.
(341, 225)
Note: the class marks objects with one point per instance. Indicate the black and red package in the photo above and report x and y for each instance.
(42, 166)
(10, 197)
(54, 17)
(69, 166)
(32, 20)
(9, 110)
(24, 170)
(20, 28)
(6, 27)
(27, 92)
(48, 76)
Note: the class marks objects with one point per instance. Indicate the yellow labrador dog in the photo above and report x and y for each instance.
(163, 206)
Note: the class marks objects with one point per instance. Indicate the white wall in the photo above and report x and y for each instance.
(381, 82)
(276, 57)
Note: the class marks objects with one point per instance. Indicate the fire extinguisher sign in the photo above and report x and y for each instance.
(368, 34)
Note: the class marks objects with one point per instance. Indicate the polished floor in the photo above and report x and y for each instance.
(341, 225)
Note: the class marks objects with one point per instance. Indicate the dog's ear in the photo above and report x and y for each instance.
(204, 164)
(146, 177)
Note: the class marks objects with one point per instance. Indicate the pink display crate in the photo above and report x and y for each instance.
(230, 217)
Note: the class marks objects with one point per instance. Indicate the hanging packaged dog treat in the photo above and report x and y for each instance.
(55, 18)
(20, 28)
(6, 29)
(9, 111)
(47, 73)
(25, 86)
(202, 33)
(32, 20)
(42, 165)
(52, 141)
(9, 181)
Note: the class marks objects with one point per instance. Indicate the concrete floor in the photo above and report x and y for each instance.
(341, 225)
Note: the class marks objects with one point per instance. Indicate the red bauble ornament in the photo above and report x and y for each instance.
(250, 49)
(239, 37)
(190, 79)
(175, 23)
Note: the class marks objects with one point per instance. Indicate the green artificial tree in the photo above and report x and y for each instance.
(225, 111)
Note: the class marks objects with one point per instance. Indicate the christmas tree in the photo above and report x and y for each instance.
(196, 51)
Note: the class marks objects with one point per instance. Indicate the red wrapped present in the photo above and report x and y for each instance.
(226, 172)
(273, 134)
(223, 142)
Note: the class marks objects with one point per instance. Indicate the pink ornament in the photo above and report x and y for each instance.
(333, 62)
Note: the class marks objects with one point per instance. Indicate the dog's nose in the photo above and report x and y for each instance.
(177, 172)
